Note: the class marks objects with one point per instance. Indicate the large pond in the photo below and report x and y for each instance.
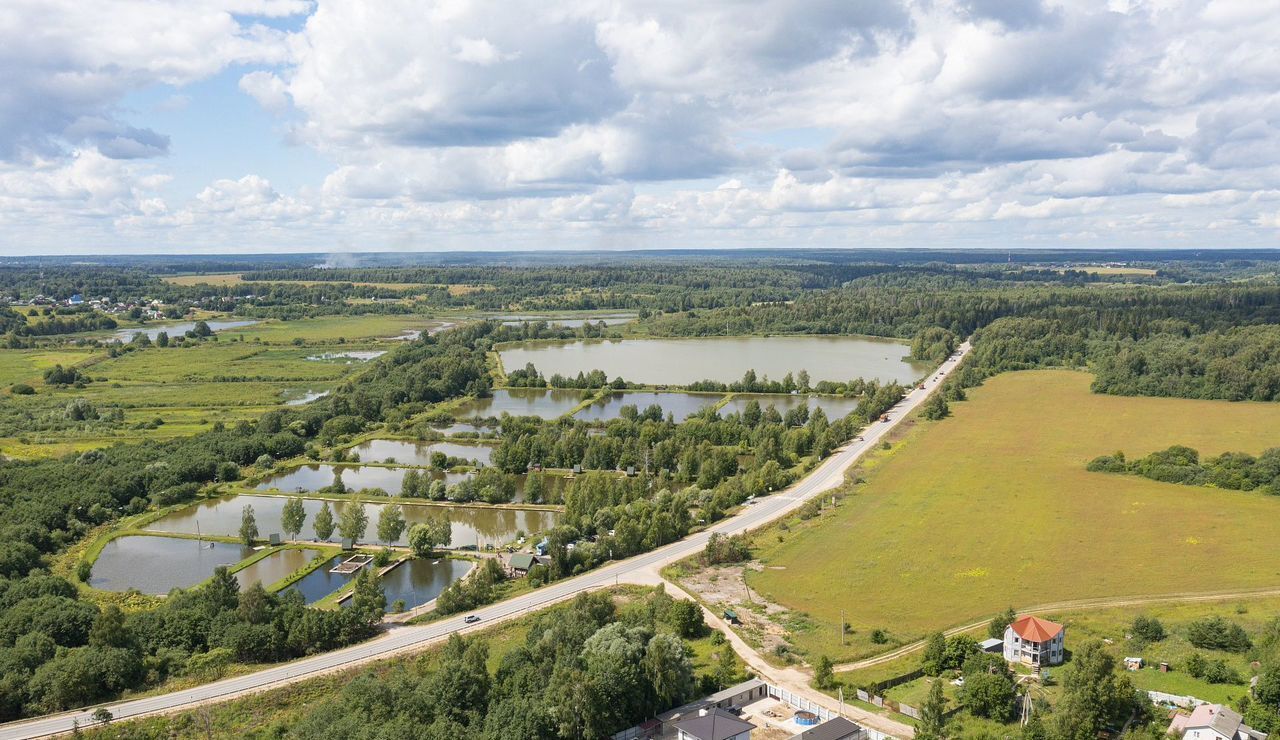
(306, 397)
(157, 565)
(724, 359)
(612, 319)
(415, 582)
(408, 452)
(177, 330)
(547, 404)
(678, 405)
(274, 567)
(315, 476)
(834, 407)
(469, 525)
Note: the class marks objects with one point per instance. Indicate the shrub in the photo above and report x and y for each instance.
(21, 389)
(1216, 633)
(1147, 628)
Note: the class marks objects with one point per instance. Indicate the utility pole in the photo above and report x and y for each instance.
(842, 631)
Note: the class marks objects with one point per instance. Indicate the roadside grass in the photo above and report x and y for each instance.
(993, 506)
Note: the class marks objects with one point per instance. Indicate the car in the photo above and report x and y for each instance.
(471, 619)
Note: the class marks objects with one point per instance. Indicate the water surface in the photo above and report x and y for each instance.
(305, 398)
(274, 567)
(544, 403)
(157, 565)
(409, 452)
(180, 329)
(418, 581)
(723, 359)
(834, 407)
(469, 525)
(351, 356)
(679, 405)
(314, 476)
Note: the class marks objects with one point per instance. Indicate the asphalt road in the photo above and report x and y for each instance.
(401, 639)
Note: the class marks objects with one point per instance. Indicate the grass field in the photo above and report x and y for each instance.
(993, 506)
(28, 365)
(333, 328)
(235, 278)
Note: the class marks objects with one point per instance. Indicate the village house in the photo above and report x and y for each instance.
(714, 724)
(1034, 641)
(1213, 722)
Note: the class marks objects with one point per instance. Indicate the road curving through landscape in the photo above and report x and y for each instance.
(398, 640)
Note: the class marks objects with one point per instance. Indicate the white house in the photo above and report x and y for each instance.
(1034, 641)
(1213, 722)
(714, 724)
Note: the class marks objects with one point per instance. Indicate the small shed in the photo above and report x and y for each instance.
(994, 645)
(1132, 664)
(348, 544)
(274, 539)
(521, 562)
(731, 616)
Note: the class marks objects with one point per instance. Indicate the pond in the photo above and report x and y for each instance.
(351, 357)
(723, 359)
(468, 428)
(274, 567)
(418, 581)
(547, 404)
(469, 525)
(409, 452)
(610, 319)
(315, 476)
(678, 405)
(834, 407)
(319, 583)
(305, 398)
(177, 330)
(157, 565)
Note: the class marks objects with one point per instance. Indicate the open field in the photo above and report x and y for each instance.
(236, 278)
(333, 328)
(28, 365)
(993, 506)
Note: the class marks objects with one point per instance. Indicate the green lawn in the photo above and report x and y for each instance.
(993, 506)
(28, 365)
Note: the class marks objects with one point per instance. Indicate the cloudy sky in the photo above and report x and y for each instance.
(301, 125)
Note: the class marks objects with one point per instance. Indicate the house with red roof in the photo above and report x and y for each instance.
(1033, 641)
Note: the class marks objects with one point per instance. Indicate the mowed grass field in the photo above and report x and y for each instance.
(993, 507)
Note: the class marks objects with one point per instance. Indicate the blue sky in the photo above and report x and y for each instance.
(331, 125)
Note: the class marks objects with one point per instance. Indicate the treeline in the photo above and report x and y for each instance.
(588, 668)
(58, 651)
(1237, 471)
(1239, 364)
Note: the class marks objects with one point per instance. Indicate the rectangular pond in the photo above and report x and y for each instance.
(834, 407)
(417, 581)
(469, 525)
(569, 322)
(319, 583)
(679, 405)
(313, 477)
(723, 359)
(157, 565)
(547, 404)
(348, 358)
(409, 452)
(274, 567)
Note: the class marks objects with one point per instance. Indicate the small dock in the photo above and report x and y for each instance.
(352, 564)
